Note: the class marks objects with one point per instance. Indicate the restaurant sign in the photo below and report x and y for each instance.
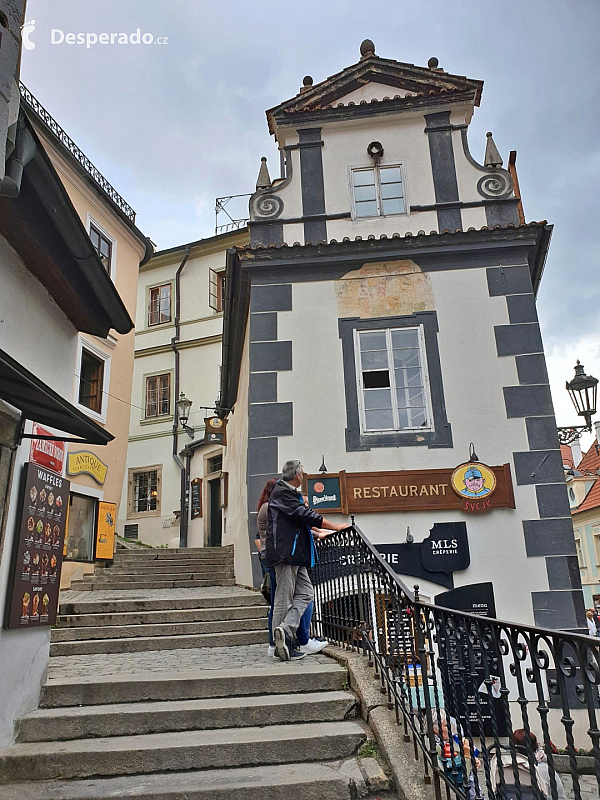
(87, 463)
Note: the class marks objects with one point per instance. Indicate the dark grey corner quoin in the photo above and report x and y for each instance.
(550, 536)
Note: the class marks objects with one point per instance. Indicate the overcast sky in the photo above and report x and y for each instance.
(173, 126)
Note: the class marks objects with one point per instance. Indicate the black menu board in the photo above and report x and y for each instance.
(38, 549)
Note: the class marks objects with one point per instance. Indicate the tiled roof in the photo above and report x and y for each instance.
(567, 456)
(589, 466)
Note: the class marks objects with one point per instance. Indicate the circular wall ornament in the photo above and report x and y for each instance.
(473, 480)
(495, 185)
(267, 206)
(375, 150)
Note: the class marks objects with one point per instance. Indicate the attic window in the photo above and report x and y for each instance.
(378, 191)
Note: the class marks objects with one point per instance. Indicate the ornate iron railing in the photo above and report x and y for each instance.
(70, 145)
(469, 691)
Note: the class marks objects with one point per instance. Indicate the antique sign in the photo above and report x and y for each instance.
(325, 492)
(88, 463)
(47, 453)
(446, 549)
(105, 530)
(38, 549)
(215, 430)
(196, 494)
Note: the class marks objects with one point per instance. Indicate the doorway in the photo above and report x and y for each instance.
(214, 516)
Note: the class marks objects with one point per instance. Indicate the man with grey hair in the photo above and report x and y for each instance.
(290, 549)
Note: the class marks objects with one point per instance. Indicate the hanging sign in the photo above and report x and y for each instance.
(196, 491)
(475, 483)
(105, 530)
(88, 463)
(38, 550)
(47, 453)
(326, 492)
(446, 549)
(215, 431)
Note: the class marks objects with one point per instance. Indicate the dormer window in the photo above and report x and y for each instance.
(378, 191)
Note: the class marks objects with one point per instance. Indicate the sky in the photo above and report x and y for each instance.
(173, 125)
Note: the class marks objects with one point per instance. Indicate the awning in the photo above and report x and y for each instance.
(40, 403)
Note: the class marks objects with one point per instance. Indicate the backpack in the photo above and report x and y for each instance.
(504, 763)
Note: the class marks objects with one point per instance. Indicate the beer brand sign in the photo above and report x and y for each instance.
(46, 452)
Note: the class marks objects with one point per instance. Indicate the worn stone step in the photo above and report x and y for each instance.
(143, 604)
(170, 552)
(171, 555)
(190, 685)
(148, 643)
(129, 719)
(159, 567)
(162, 629)
(159, 752)
(162, 617)
(108, 576)
(93, 585)
(278, 782)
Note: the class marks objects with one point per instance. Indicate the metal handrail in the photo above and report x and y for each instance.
(445, 670)
(70, 145)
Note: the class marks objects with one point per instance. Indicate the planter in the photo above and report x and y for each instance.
(585, 764)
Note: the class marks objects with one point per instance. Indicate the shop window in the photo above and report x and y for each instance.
(216, 289)
(378, 191)
(393, 382)
(79, 538)
(158, 395)
(91, 381)
(103, 246)
(159, 304)
(144, 492)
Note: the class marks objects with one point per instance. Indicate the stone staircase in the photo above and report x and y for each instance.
(163, 569)
(180, 705)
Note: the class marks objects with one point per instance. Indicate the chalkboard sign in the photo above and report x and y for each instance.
(326, 492)
(196, 487)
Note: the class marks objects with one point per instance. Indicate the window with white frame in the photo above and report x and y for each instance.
(158, 395)
(216, 289)
(378, 191)
(93, 380)
(159, 304)
(144, 491)
(580, 554)
(596, 540)
(103, 246)
(392, 377)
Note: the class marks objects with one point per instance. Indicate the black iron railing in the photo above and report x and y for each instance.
(70, 145)
(470, 692)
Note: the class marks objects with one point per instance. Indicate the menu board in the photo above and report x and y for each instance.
(196, 498)
(105, 530)
(38, 549)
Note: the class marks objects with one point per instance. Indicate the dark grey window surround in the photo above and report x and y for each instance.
(441, 436)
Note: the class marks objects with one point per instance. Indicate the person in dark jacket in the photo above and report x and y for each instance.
(290, 549)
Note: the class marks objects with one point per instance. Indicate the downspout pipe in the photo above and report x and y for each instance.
(183, 516)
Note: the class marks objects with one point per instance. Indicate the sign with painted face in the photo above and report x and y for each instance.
(215, 430)
(475, 483)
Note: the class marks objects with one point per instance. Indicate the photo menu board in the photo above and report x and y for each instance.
(38, 550)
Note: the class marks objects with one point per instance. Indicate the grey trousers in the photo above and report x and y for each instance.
(293, 594)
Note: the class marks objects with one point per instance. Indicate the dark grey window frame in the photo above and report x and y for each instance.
(441, 435)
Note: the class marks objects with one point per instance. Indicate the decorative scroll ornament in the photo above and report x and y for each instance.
(495, 185)
(265, 206)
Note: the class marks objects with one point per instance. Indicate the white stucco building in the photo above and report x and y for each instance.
(383, 316)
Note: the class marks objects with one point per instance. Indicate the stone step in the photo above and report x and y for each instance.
(129, 719)
(108, 576)
(279, 782)
(148, 643)
(193, 685)
(162, 617)
(168, 552)
(158, 752)
(142, 604)
(93, 585)
(161, 629)
(166, 566)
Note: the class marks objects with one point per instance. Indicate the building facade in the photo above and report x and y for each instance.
(179, 321)
(382, 323)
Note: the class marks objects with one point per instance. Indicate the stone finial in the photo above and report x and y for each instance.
(307, 83)
(264, 180)
(367, 49)
(492, 156)
(433, 63)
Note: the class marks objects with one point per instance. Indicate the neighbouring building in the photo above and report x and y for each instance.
(101, 376)
(382, 325)
(583, 487)
(54, 288)
(179, 322)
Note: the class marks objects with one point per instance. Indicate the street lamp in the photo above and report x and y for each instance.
(582, 389)
(183, 412)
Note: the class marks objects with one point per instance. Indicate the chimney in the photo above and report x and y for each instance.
(576, 452)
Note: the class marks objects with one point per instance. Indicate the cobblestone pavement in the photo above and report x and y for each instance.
(587, 784)
(153, 594)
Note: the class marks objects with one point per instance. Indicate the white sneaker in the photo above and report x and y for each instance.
(271, 651)
(313, 646)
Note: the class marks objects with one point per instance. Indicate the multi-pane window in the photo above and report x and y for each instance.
(103, 246)
(216, 289)
(378, 191)
(145, 491)
(159, 304)
(158, 395)
(392, 380)
(91, 380)
(596, 539)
